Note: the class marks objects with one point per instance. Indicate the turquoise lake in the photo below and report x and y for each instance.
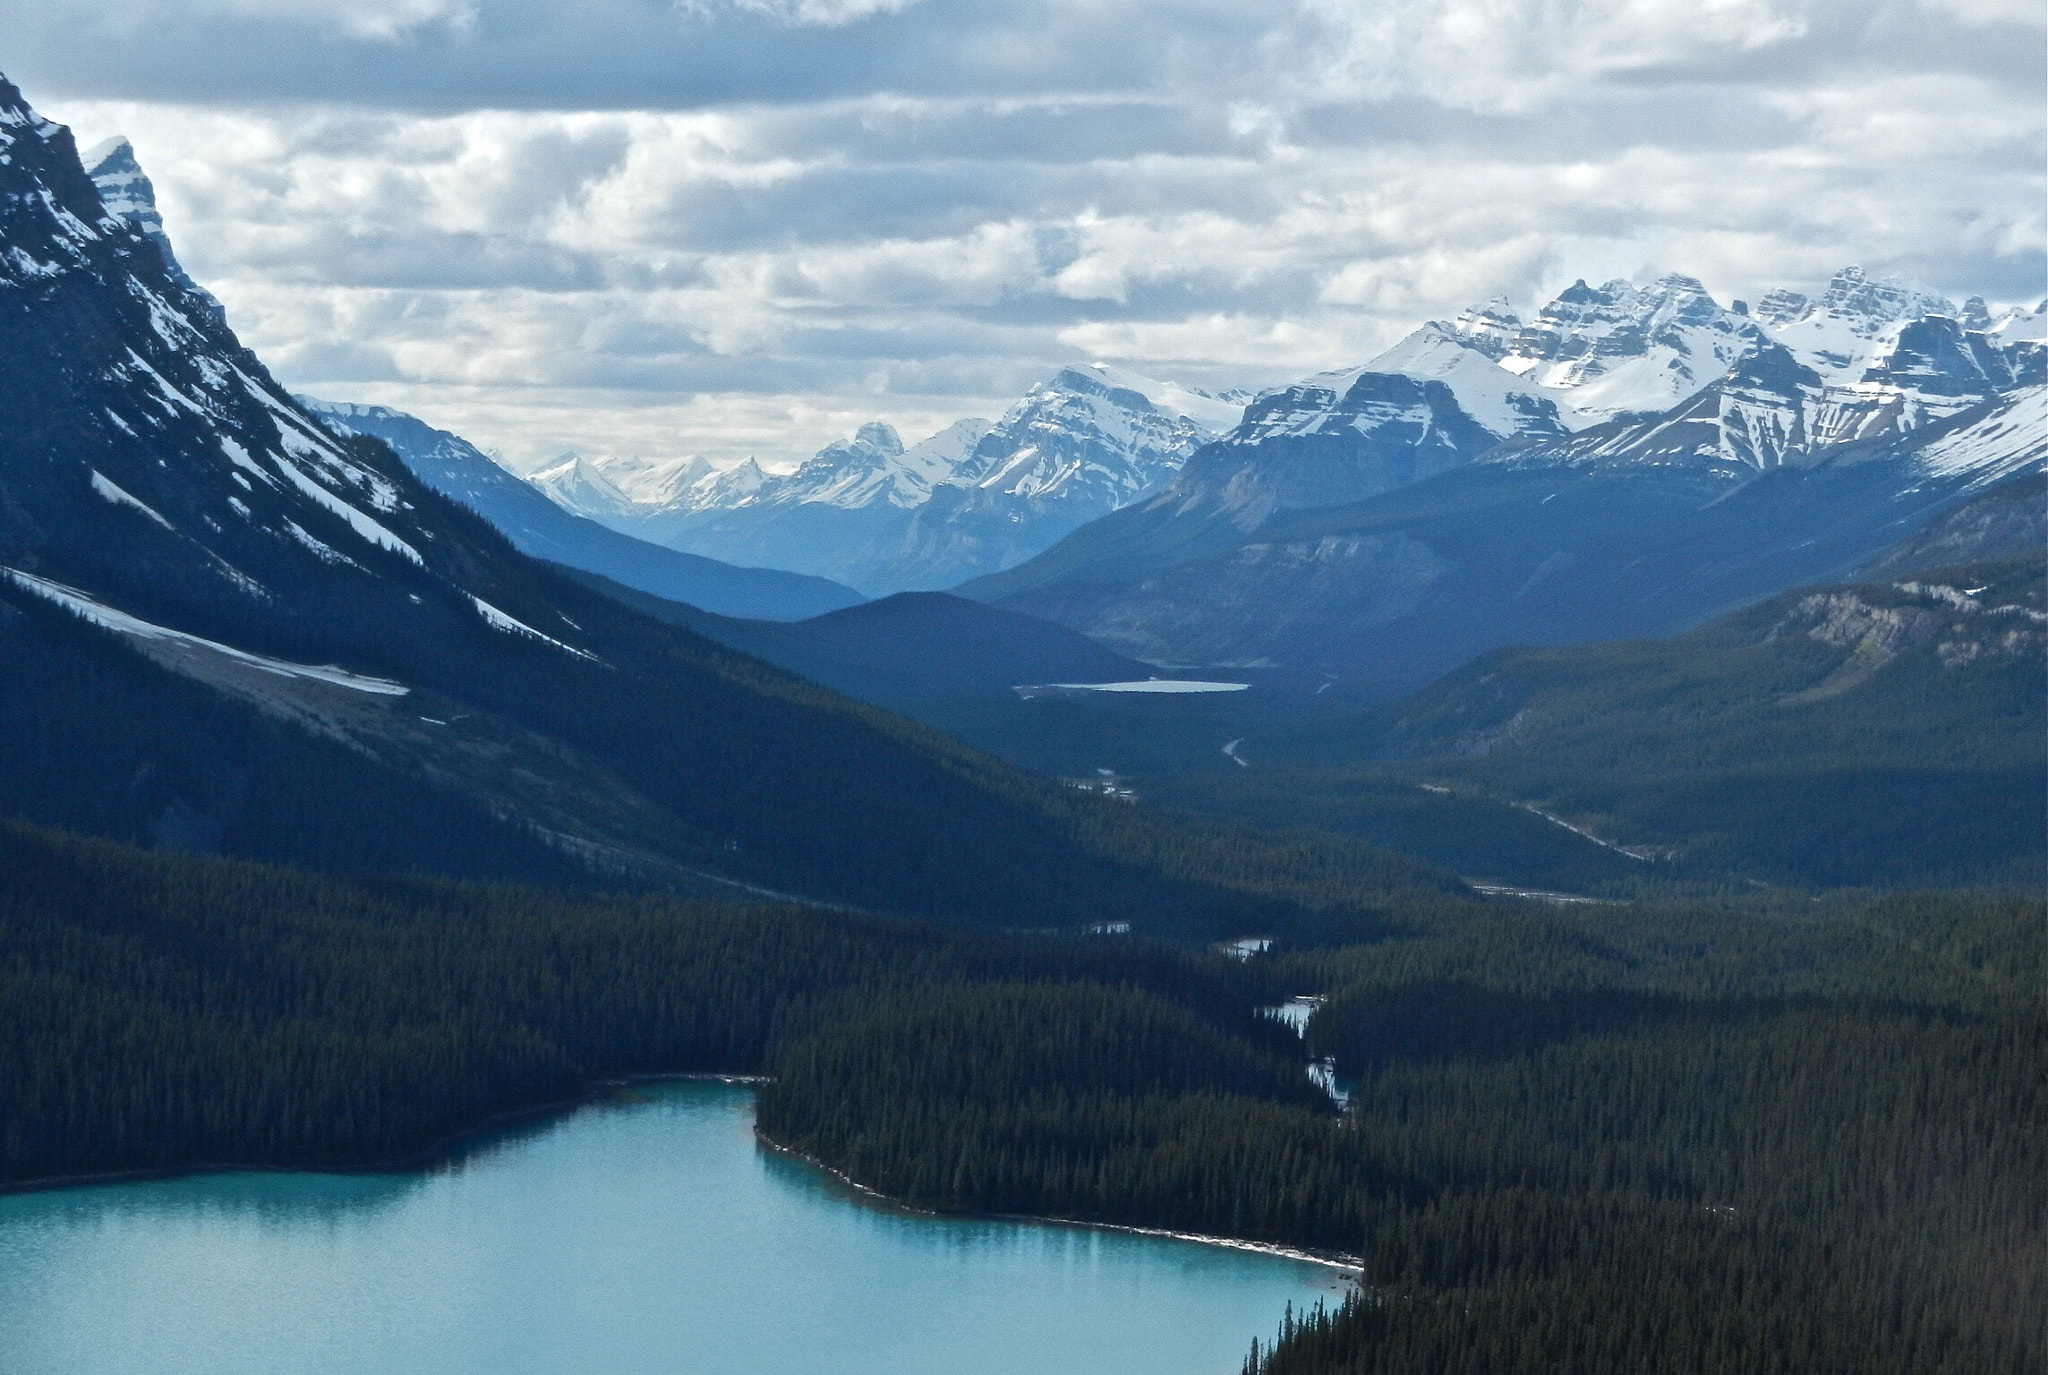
(646, 1234)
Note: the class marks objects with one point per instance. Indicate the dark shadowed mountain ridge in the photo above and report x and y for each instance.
(909, 649)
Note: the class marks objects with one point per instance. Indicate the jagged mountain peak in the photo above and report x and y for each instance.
(1854, 323)
(1780, 306)
(580, 484)
(1490, 327)
(1854, 293)
(1095, 428)
(127, 193)
(878, 436)
(169, 473)
(1619, 348)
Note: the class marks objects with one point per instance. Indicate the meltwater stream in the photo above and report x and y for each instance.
(645, 1235)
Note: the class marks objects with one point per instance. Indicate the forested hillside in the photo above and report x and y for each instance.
(1796, 1136)
(167, 1011)
(1879, 733)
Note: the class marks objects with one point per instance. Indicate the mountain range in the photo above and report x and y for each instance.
(1630, 463)
(334, 634)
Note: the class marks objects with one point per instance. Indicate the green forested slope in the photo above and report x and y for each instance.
(1867, 734)
(164, 1010)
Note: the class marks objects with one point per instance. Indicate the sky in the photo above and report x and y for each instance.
(733, 227)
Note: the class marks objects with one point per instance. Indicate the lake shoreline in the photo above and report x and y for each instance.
(442, 1150)
(447, 1149)
(1336, 1260)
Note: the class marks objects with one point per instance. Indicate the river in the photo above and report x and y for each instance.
(644, 1234)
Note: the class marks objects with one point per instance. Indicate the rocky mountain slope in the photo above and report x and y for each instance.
(456, 468)
(1892, 729)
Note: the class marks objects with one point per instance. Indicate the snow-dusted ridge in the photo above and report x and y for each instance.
(1665, 373)
(2009, 439)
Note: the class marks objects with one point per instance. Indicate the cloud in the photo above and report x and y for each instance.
(741, 227)
(1510, 54)
(830, 13)
(374, 21)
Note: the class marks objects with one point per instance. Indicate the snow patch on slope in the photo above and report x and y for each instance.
(370, 531)
(510, 625)
(107, 489)
(107, 617)
(2011, 439)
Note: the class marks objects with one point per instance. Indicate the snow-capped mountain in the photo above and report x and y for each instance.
(261, 495)
(872, 468)
(1085, 443)
(973, 498)
(1091, 438)
(615, 490)
(1618, 531)
(1394, 494)
(834, 516)
(449, 464)
(1657, 374)
(1854, 324)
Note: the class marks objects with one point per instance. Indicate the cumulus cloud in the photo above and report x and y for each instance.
(743, 226)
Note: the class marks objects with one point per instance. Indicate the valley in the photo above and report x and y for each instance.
(1549, 818)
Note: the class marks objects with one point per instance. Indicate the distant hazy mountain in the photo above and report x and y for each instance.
(454, 467)
(870, 512)
(838, 514)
